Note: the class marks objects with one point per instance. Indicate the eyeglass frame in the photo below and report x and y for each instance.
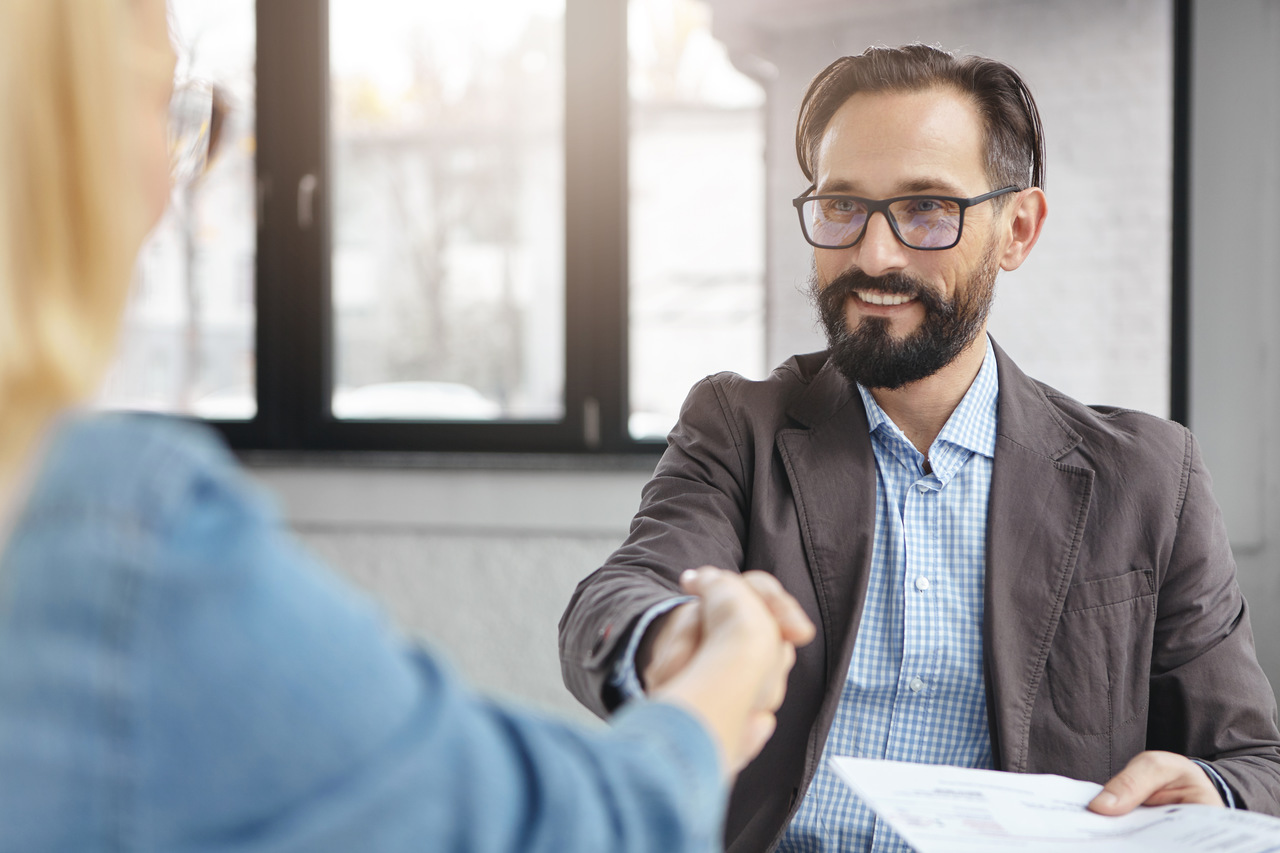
(208, 130)
(881, 206)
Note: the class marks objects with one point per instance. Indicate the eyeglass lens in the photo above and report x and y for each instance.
(190, 126)
(921, 223)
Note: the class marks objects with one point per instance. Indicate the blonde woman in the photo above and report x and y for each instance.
(175, 673)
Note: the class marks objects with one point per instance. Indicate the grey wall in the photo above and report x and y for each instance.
(481, 562)
(1235, 278)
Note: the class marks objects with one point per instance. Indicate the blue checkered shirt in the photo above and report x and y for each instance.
(914, 691)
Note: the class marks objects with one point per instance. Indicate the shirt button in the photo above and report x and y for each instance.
(916, 685)
(921, 488)
(922, 583)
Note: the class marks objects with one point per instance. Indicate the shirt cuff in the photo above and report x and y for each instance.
(624, 678)
(1224, 790)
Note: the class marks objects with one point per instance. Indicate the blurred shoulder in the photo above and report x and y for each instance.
(150, 467)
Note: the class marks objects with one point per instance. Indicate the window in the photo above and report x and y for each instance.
(187, 344)
(532, 225)
(696, 205)
(447, 174)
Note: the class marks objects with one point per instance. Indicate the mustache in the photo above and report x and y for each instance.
(831, 299)
(896, 283)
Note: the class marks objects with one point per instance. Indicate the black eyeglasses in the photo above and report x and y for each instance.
(928, 222)
(197, 112)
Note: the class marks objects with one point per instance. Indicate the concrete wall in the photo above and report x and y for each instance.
(478, 562)
(1235, 283)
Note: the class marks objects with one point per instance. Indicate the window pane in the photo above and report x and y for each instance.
(188, 339)
(448, 260)
(697, 211)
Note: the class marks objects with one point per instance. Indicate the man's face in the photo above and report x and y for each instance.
(894, 315)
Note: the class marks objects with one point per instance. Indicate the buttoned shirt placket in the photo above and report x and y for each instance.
(915, 690)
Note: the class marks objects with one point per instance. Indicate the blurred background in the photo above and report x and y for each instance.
(455, 266)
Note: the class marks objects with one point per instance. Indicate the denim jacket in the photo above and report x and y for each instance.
(177, 673)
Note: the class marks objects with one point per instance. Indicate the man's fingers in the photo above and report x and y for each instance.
(1121, 794)
(1155, 778)
(698, 581)
(793, 623)
(725, 595)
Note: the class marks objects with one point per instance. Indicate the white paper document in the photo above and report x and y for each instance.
(939, 809)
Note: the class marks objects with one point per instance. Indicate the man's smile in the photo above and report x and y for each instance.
(873, 297)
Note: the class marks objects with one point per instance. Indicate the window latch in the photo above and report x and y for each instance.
(306, 198)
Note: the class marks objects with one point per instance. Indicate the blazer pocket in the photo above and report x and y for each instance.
(1099, 663)
(1107, 591)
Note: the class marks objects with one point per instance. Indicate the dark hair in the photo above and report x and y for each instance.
(1013, 136)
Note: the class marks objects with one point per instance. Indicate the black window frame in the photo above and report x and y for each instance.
(294, 356)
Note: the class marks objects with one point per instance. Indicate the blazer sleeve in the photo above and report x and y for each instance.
(273, 704)
(1209, 697)
(693, 512)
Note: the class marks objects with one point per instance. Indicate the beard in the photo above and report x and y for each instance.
(871, 356)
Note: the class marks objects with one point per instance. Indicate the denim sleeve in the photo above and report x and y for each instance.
(274, 707)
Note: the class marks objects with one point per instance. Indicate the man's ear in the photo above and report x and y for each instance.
(1024, 219)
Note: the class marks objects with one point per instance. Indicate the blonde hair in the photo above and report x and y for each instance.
(70, 207)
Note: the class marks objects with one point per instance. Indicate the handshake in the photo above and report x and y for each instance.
(725, 657)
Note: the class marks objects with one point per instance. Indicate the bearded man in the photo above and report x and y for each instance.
(1002, 577)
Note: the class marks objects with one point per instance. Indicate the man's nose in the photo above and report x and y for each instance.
(879, 250)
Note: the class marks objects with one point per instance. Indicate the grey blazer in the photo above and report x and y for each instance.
(1113, 619)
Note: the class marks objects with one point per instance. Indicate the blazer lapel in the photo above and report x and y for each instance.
(832, 471)
(1037, 511)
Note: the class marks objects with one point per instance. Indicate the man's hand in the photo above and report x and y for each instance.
(736, 677)
(1156, 779)
(668, 644)
(671, 639)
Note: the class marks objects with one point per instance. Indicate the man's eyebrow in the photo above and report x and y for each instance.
(838, 186)
(930, 185)
(938, 186)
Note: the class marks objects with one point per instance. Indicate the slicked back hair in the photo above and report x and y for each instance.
(1013, 137)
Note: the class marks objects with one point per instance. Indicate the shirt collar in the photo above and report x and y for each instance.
(971, 427)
